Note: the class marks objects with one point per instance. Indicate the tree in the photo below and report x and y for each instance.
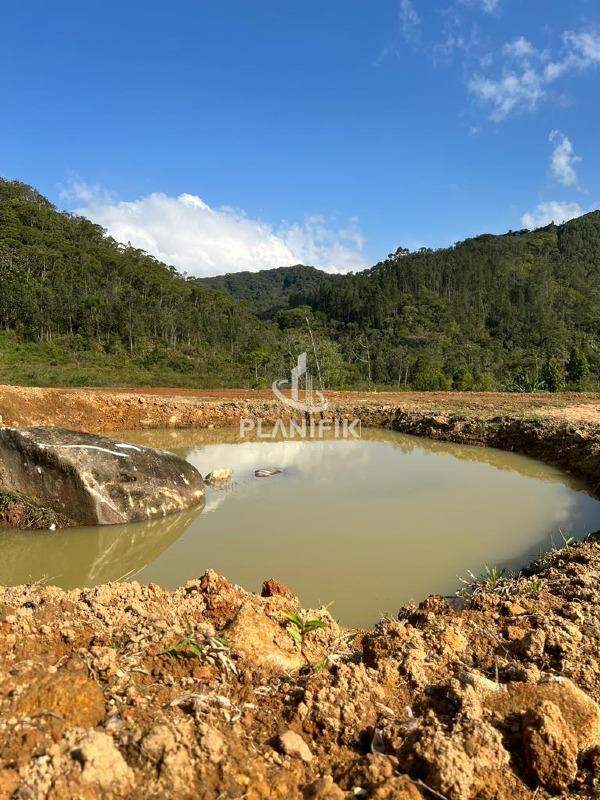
(428, 377)
(463, 379)
(553, 375)
(578, 367)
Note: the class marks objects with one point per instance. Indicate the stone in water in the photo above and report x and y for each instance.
(218, 477)
(267, 472)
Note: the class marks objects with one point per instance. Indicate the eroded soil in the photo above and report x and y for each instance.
(130, 691)
(134, 691)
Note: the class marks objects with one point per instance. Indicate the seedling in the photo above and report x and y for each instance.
(532, 586)
(298, 626)
(213, 649)
(493, 578)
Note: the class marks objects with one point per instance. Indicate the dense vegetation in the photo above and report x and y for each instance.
(518, 311)
(269, 290)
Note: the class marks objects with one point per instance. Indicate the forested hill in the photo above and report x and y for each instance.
(78, 307)
(512, 310)
(269, 290)
(517, 311)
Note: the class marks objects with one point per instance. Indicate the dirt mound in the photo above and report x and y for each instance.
(211, 691)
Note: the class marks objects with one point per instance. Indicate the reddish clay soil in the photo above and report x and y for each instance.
(130, 691)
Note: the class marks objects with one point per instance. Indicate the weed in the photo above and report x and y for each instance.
(532, 587)
(566, 540)
(213, 649)
(298, 626)
(491, 579)
(340, 649)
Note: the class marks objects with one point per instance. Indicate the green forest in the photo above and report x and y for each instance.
(517, 312)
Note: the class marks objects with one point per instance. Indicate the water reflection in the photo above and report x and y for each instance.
(90, 555)
(368, 524)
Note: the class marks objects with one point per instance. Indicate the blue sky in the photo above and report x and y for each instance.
(239, 134)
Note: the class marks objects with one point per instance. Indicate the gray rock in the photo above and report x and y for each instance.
(266, 472)
(93, 479)
(219, 477)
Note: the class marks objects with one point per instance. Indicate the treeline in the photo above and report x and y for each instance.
(519, 311)
(67, 286)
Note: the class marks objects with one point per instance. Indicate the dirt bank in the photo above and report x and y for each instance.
(211, 692)
(562, 429)
(129, 691)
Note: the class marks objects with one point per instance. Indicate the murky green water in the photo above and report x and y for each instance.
(367, 524)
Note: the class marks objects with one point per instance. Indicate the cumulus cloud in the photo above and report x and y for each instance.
(563, 160)
(527, 73)
(187, 233)
(551, 211)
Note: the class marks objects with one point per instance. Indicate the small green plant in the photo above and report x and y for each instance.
(532, 587)
(566, 540)
(213, 649)
(493, 578)
(298, 626)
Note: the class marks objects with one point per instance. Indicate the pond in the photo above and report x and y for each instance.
(366, 524)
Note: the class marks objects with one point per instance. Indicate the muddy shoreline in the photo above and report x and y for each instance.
(560, 429)
(211, 692)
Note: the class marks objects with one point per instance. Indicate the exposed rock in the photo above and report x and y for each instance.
(172, 760)
(398, 787)
(266, 472)
(292, 744)
(212, 743)
(158, 742)
(218, 477)
(272, 588)
(69, 695)
(262, 640)
(323, 789)
(532, 644)
(549, 747)
(102, 763)
(580, 712)
(95, 480)
(456, 763)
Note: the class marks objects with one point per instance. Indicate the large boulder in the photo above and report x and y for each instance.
(95, 480)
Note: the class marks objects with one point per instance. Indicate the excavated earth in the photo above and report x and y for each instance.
(131, 691)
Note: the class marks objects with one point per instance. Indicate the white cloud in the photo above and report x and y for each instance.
(528, 73)
(409, 19)
(489, 6)
(551, 211)
(563, 160)
(585, 44)
(520, 49)
(508, 93)
(187, 233)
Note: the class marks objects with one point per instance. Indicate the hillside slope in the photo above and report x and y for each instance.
(269, 290)
(520, 310)
(495, 306)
